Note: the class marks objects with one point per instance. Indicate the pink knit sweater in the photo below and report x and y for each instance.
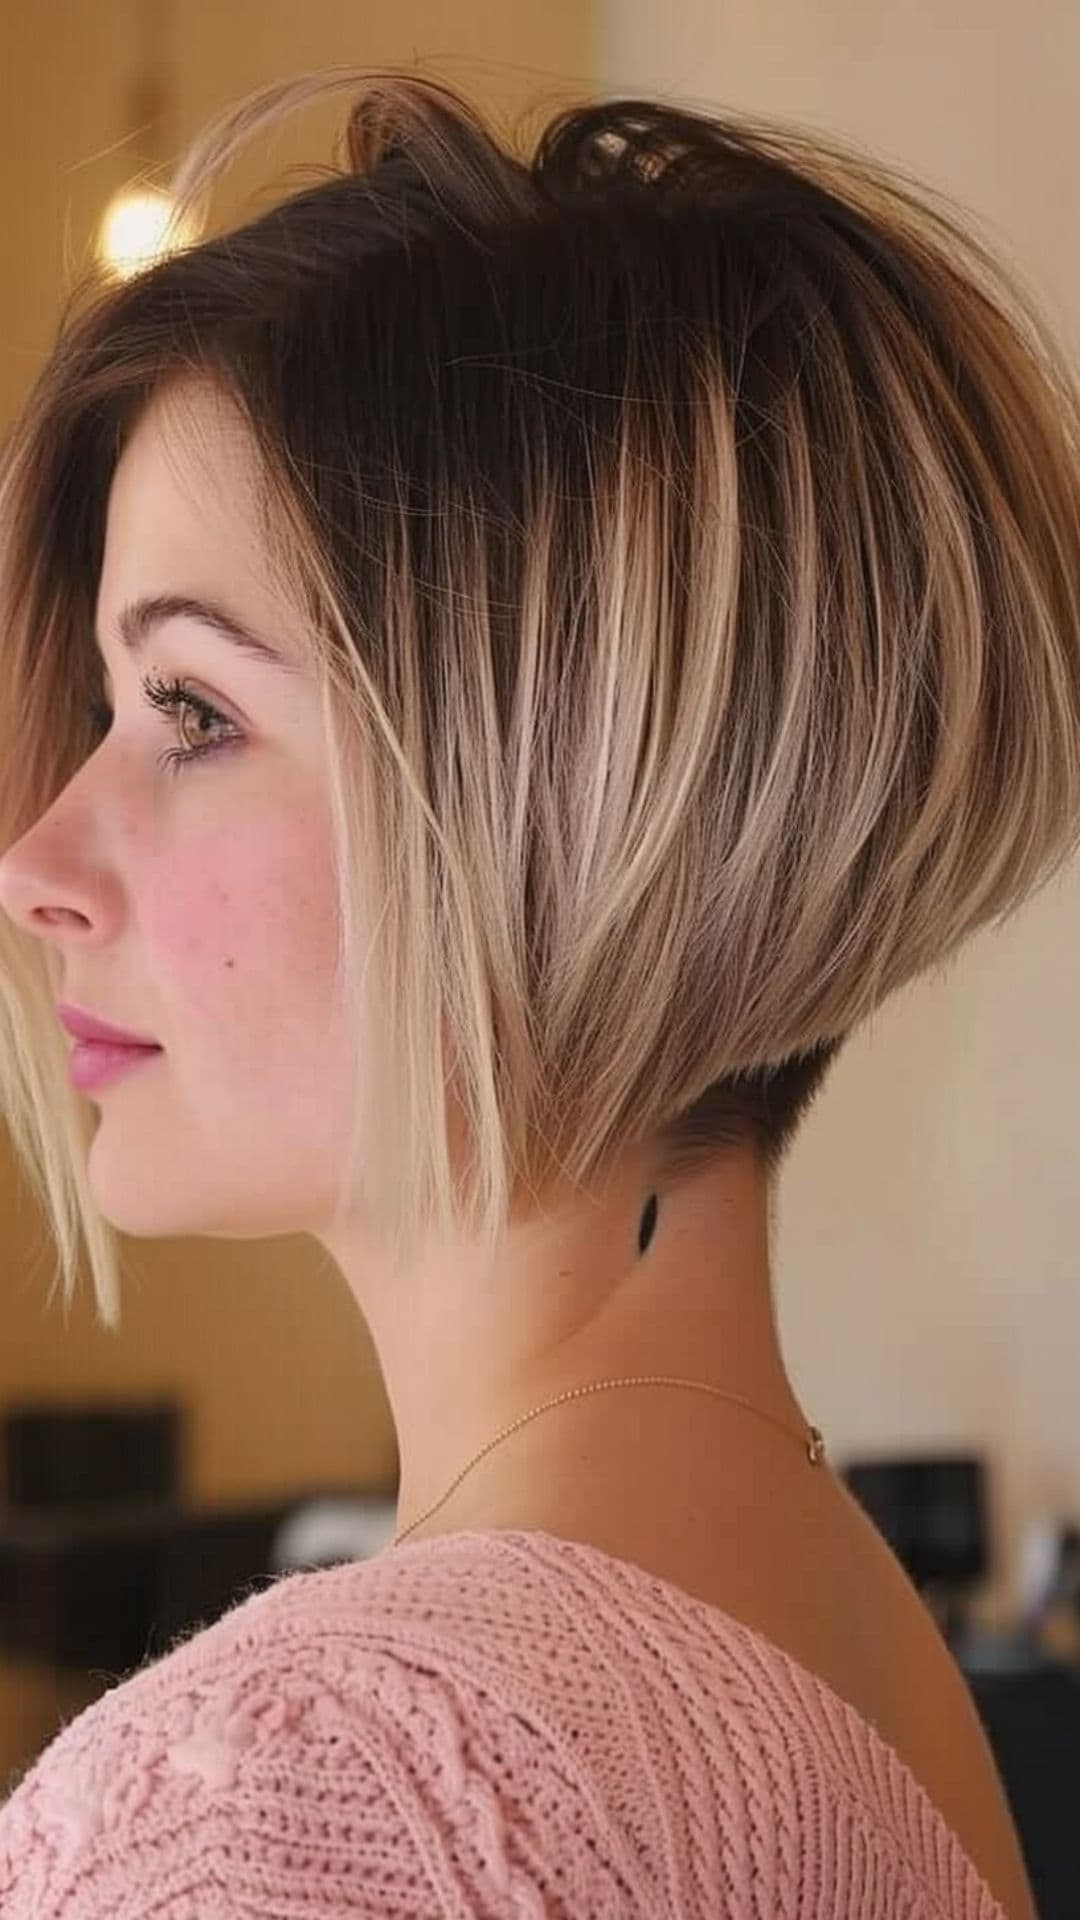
(480, 1725)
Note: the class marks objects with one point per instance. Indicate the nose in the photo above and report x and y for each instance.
(44, 904)
(51, 885)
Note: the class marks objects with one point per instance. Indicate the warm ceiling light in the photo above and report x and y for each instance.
(138, 228)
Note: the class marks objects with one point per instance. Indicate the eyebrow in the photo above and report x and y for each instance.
(141, 617)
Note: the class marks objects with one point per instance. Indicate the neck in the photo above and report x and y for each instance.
(632, 1280)
(634, 1462)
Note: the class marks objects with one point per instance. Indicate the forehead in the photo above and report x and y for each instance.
(188, 453)
(181, 513)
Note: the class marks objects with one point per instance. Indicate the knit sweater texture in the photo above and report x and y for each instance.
(477, 1726)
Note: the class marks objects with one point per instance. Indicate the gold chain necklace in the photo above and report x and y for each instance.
(815, 1445)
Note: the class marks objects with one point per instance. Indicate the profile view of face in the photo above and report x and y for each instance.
(193, 902)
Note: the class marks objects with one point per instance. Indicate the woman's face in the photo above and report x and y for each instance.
(194, 903)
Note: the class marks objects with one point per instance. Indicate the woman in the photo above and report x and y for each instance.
(506, 662)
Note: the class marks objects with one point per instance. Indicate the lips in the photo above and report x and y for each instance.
(94, 1063)
(86, 1026)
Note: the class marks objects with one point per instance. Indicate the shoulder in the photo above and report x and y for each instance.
(341, 1729)
(472, 1724)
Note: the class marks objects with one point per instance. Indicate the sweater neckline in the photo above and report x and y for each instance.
(926, 1829)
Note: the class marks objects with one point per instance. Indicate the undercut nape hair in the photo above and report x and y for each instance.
(683, 523)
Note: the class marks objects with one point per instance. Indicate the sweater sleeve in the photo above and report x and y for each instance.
(322, 1778)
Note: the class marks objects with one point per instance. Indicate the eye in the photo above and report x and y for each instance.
(174, 699)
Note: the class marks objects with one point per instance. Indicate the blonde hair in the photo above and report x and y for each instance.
(685, 522)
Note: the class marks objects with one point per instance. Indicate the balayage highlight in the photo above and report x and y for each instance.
(683, 526)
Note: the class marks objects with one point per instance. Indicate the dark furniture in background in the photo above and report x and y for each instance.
(1032, 1720)
(74, 1456)
(104, 1590)
(103, 1565)
(933, 1511)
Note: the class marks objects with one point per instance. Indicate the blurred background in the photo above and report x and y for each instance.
(928, 1241)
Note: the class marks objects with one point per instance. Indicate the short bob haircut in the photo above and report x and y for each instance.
(683, 525)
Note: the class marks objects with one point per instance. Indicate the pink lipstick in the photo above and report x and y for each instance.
(93, 1063)
(103, 1052)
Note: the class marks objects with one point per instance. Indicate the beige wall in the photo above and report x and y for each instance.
(928, 1227)
(259, 1340)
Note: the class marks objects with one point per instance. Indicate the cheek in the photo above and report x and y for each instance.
(240, 930)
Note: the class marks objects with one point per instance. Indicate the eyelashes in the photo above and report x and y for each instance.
(172, 698)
